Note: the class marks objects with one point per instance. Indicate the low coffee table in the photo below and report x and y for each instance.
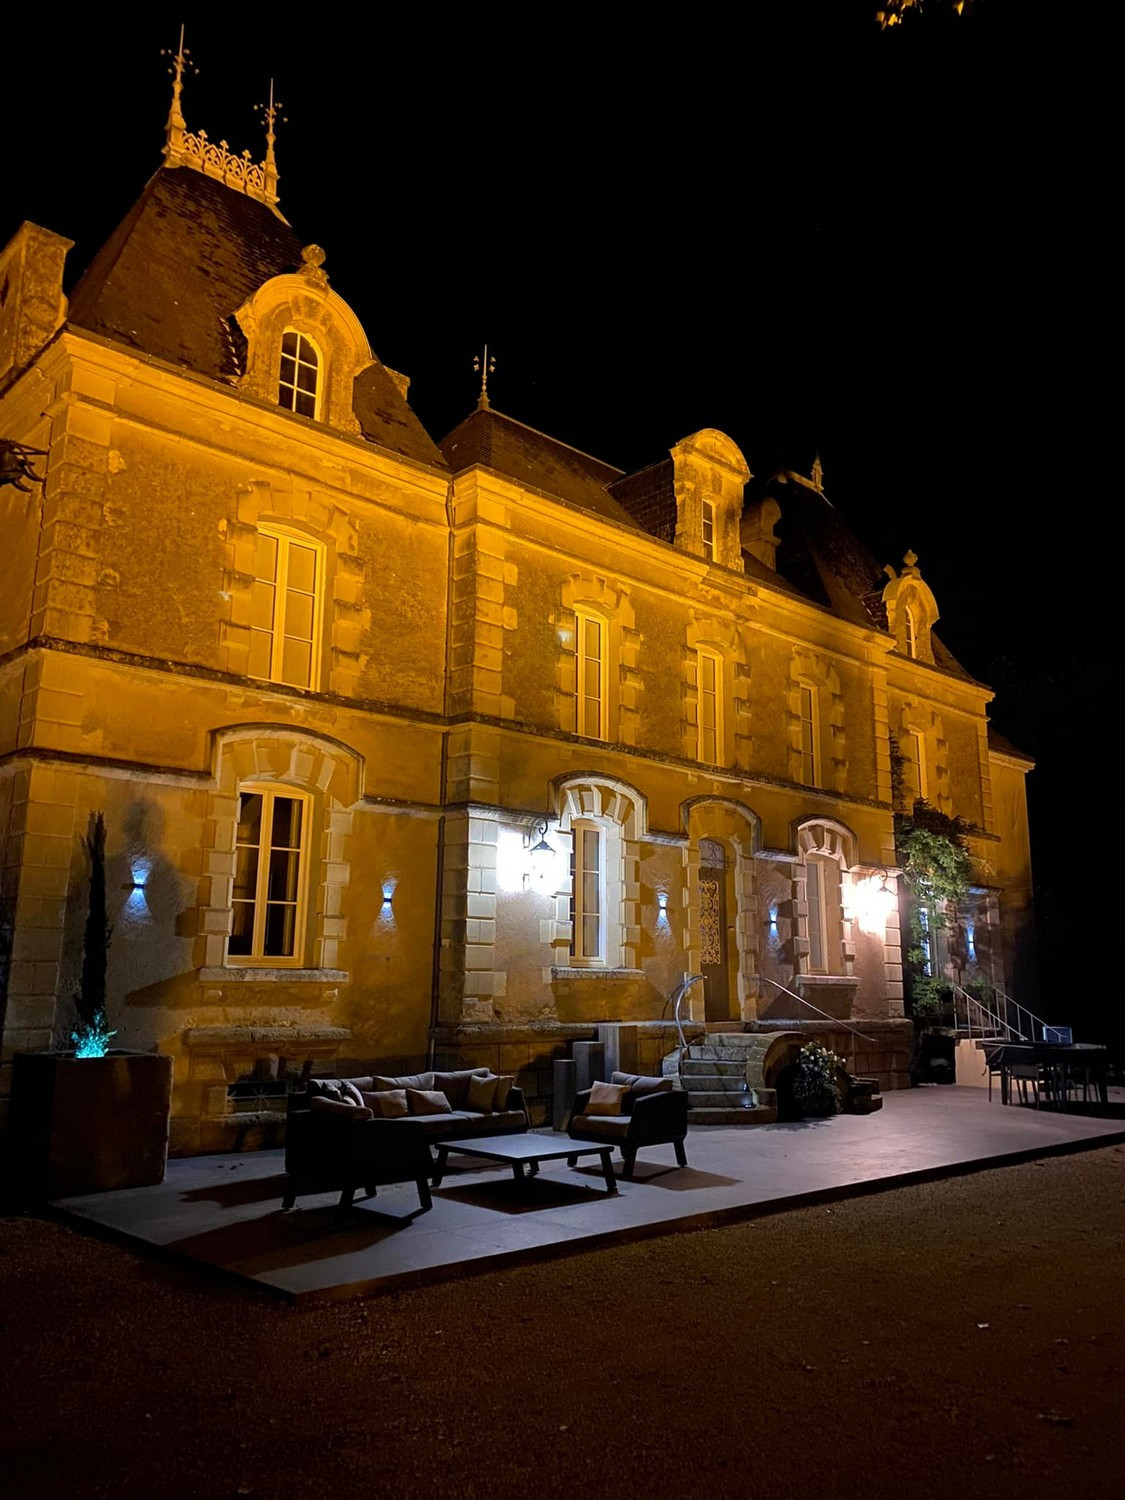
(522, 1151)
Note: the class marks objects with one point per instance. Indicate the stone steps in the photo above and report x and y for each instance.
(714, 1067)
(761, 1114)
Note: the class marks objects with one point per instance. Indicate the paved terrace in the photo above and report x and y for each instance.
(225, 1211)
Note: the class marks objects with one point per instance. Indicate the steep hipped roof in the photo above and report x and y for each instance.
(823, 559)
(493, 441)
(178, 267)
(1001, 746)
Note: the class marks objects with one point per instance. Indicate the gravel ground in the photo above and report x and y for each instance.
(964, 1337)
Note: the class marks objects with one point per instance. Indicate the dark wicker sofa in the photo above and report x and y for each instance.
(334, 1141)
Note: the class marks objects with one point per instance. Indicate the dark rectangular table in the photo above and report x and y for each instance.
(526, 1150)
(1058, 1059)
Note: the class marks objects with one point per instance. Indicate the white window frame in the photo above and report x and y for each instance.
(288, 391)
(714, 732)
(918, 740)
(582, 954)
(257, 957)
(707, 530)
(810, 740)
(285, 540)
(814, 899)
(910, 631)
(584, 700)
(926, 938)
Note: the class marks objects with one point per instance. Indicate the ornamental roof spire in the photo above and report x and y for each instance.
(485, 366)
(186, 148)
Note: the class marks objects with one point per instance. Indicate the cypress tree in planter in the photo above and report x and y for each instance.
(96, 1118)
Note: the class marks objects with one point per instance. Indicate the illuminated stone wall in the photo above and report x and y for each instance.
(439, 739)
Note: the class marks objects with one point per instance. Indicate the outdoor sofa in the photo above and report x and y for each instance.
(352, 1135)
(632, 1111)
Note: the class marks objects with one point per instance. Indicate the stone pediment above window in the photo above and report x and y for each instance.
(305, 346)
(912, 610)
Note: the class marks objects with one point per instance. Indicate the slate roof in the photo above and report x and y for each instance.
(170, 278)
(494, 441)
(1002, 746)
(824, 560)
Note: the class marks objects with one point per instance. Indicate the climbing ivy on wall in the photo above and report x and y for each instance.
(932, 852)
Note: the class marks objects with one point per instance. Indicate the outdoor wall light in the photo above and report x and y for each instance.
(662, 900)
(541, 851)
(388, 892)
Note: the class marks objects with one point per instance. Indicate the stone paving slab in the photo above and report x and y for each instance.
(225, 1211)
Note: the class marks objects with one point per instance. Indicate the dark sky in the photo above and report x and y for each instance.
(889, 246)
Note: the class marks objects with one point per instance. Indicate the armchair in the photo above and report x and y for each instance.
(335, 1146)
(653, 1113)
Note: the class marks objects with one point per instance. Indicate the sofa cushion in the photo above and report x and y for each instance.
(446, 1126)
(388, 1104)
(605, 1098)
(407, 1081)
(641, 1083)
(321, 1105)
(342, 1090)
(608, 1125)
(504, 1086)
(455, 1086)
(427, 1102)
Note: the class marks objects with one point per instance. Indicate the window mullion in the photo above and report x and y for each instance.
(264, 847)
(278, 660)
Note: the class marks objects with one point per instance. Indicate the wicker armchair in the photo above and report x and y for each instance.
(653, 1113)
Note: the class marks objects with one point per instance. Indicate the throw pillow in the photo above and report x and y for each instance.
(605, 1099)
(390, 1104)
(428, 1102)
(482, 1093)
(319, 1104)
(504, 1086)
(642, 1083)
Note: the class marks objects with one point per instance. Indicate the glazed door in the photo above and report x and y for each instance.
(714, 921)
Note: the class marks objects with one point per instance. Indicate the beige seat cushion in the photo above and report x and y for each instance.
(608, 1125)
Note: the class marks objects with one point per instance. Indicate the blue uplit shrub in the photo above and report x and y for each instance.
(91, 1038)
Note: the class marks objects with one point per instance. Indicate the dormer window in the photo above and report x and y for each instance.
(910, 630)
(708, 531)
(298, 387)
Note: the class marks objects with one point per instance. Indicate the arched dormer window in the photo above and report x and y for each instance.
(298, 387)
(912, 611)
(910, 631)
(708, 508)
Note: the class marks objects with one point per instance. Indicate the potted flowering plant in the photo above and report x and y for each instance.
(814, 1089)
(95, 1118)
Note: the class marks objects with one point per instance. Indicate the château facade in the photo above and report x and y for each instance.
(410, 748)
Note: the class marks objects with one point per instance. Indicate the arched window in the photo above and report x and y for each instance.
(810, 735)
(710, 684)
(822, 894)
(588, 894)
(910, 631)
(285, 608)
(827, 852)
(298, 387)
(709, 530)
(590, 716)
(271, 876)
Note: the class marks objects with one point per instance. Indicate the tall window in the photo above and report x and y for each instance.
(810, 759)
(709, 530)
(710, 679)
(587, 901)
(270, 876)
(910, 627)
(918, 741)
(298, 387)
(591, 718)
(285, 609)
(926, 940)
(814, 895)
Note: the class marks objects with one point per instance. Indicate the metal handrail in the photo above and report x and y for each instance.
(785, 990)
(689, 980)
(1000, 1024)
(1023, 1011)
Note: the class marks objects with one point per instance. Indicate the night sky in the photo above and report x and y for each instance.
(889, 247)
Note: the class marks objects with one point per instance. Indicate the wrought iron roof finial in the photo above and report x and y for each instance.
(484, 367)
(270, 113)
(174, 130)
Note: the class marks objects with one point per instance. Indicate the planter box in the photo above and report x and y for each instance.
(90, 1124)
